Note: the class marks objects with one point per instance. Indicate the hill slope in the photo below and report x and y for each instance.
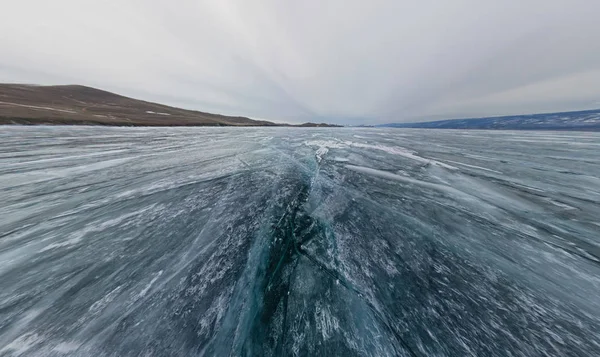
(580, 120)
(74, 104)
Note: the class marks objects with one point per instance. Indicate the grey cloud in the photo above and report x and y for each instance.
(340, 61)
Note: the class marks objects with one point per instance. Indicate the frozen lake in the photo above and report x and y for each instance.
(299, 242)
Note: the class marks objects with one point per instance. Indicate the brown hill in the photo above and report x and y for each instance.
(78, 105)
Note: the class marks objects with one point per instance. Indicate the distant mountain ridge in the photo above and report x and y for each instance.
(80, 105)
(585, 120)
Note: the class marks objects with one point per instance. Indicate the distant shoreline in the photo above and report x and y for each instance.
(582, 120)
(41, 122)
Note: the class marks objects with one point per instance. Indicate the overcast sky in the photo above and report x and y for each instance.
(341, 61)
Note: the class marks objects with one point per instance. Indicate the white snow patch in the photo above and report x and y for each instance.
(99, 305)
(22, 344)
(66, 347)
(326, 322)
(330, 144)
(400, 151)
(147, 288)
(157, 113)
(43, 108)
(394, 150)
(93, 227)
(391, 176)
(560, 204)
(66, 243)
(320, 153)
(527, 187)
(473, 166)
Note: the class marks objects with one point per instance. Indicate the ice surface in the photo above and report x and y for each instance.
(299, 242)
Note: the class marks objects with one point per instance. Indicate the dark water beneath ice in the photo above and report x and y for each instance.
(298, 242)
